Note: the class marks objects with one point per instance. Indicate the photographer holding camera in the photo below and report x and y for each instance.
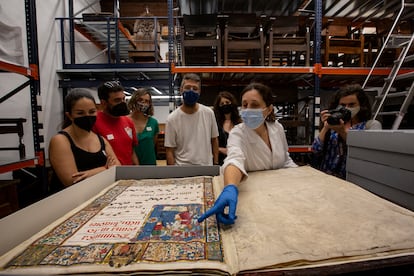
(350, 109)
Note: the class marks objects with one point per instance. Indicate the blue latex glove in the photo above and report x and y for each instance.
(228, 197)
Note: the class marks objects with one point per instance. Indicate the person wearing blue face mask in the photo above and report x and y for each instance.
(76, 152)
(259, 143)
(191, 133)
(329, 147)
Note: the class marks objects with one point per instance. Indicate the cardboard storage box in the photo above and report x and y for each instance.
(383, 162)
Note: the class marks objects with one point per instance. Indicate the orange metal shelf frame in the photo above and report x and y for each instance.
(19, 164)
(316, 69)
(240, 69)
(7, 166)
(31, 71)
(300, 148)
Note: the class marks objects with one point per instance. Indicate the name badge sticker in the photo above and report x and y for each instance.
(128, 130)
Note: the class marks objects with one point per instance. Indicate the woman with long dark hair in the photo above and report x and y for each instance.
(257, 144)
(76, 152)
(350, 109)
(227, 116)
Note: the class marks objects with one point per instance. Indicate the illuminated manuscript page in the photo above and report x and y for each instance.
(131, 226)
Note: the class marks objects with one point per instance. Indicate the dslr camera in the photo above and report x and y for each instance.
(339, 113)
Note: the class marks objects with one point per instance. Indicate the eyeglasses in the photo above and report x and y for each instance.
(111, 84)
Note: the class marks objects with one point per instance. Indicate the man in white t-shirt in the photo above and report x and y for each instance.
(191, 133)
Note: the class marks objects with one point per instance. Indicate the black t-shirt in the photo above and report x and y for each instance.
(223, 136)
(84, 160)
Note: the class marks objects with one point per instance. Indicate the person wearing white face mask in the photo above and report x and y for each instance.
(259, 143)
(146, 126)
(329, 147)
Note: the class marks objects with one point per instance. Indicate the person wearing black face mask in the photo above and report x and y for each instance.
(119, 109)
(76, 152)
(191, 134)
(113, 124)
(85, 122)
(227, 116)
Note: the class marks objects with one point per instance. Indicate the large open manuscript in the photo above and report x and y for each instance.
(287, 219)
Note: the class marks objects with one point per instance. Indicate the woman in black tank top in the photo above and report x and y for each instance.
(76, 152)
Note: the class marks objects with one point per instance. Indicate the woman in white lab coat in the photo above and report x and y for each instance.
(259, 143)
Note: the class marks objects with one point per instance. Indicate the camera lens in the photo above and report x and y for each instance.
(334, 118)
(338, 114)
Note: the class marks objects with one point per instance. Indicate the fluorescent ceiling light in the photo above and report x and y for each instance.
(157, 91)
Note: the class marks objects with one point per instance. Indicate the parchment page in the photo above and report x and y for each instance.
(229, 244)
(300, 216)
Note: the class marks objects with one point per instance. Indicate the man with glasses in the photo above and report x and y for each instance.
(113, 124)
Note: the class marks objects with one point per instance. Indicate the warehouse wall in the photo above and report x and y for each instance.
(12, 13)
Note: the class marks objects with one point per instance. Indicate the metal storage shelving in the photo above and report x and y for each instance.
(33, 82)
(32, 73)
(314, 77)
